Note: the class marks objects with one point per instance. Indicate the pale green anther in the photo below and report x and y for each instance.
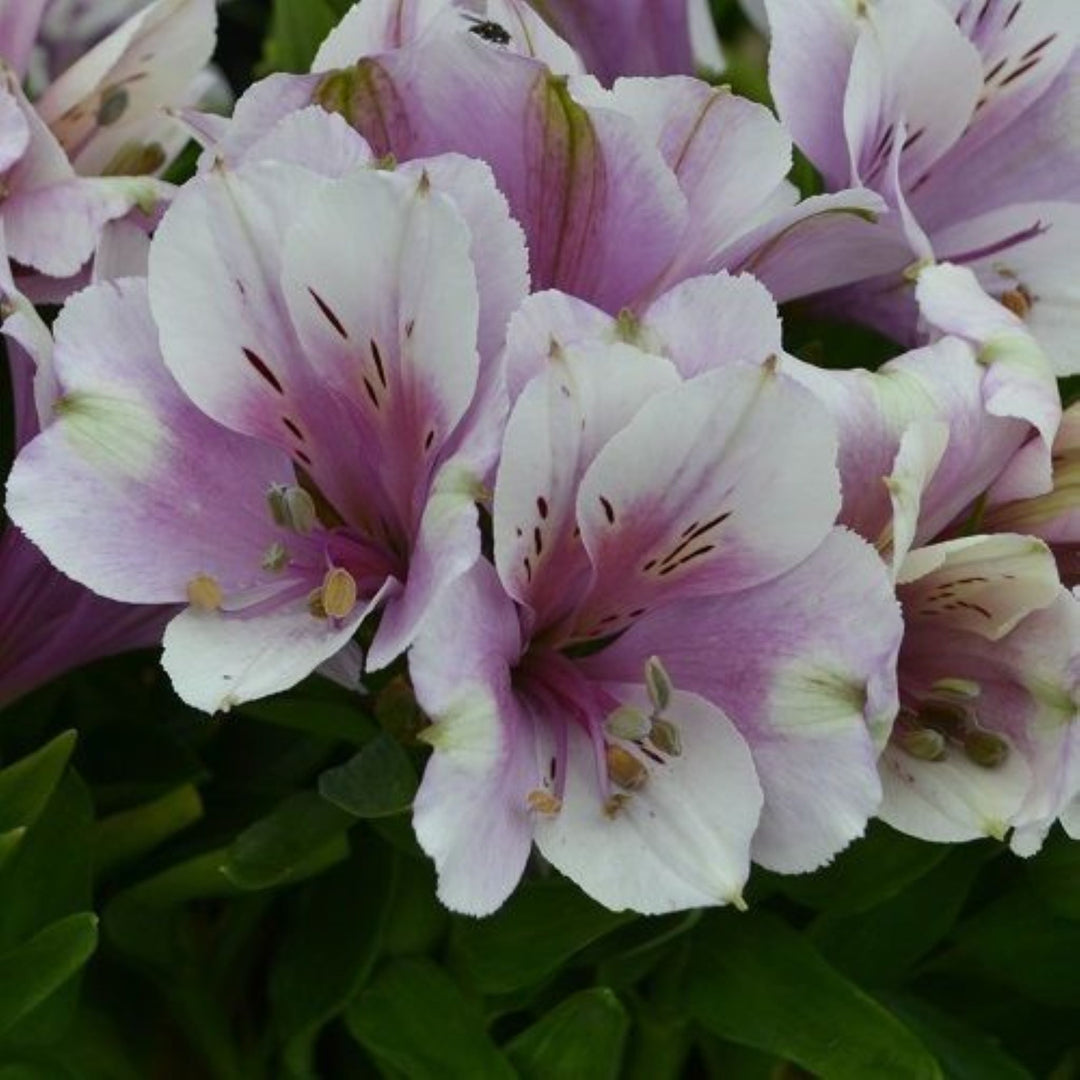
(666, 738)
(387, 163)
(627, 722)
(275, 558)
(628, 327)
(985, 748)
(658, 684)
(923, 743)
(957, 689)
(291, 507)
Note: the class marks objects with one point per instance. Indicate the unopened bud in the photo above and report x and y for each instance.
(204, 593)
(985, 748)
(658, 684)
(624, 768)
(627, 723)
(292, 507)
(923, 743)
(666, 738)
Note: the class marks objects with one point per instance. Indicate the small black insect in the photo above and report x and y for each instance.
(488, 30)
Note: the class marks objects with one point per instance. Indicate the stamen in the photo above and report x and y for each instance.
(985, 748)
(658, 684)
(665, 737)
(204, 593)
(275, 558)
(292, 507)
(627, 723)
(624, 769)
(923, 743)
(543, 802)
(338, 592)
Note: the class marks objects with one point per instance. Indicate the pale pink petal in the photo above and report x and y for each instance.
(682, 840)
(471, 813)
(805, 666)
(101, 101)
(812, 45)
(718, 484)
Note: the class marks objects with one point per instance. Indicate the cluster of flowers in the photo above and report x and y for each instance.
(455, 344)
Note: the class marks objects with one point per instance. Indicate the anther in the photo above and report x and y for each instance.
(543, 802)
(658, 684)
(625, 769)
(291, 507)
(923, 743)
(627, 723)
(666, 738)
(204, 593)
(338, 592)
(985, 748)
(275, 558)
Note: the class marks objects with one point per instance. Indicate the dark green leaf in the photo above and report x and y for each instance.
(327, 719)
(878, 946)
(380, 780)
(47, 876)
(964, 1052)
(542, 925)
(281, 846)
(754, 980)
(299, 27)
(26, 785)
(131, 833)
(33, 971)
(867, 873)
(1019, 942)
(580, 1039)
(330, 947)
(1055, 874)
(414, 1021)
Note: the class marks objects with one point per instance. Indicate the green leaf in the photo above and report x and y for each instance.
(754, 980)
(330, 947)
(580, 1039)
(47, 875)
(539, 928)
(964, 1052)
(32, 972)
(1019, 942)
(298, 29)
(868, 873)
(1055, 874)
(27, 785)
(880, 945)
(327, 719)
(414, 1021)
(132, 833)
(380, 780)
(283, 845)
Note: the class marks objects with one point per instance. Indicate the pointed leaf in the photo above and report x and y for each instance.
(26, 785)
(754, 980)
(415, 1021)
(34, 970)
(580, 1039)
(380, 780)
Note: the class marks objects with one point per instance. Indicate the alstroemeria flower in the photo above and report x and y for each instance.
(1055, 515)
(651, 683)
(988, 672)
(962, 114)
(85, 153)
(621, 194)
(308, 443)
(48, 623)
